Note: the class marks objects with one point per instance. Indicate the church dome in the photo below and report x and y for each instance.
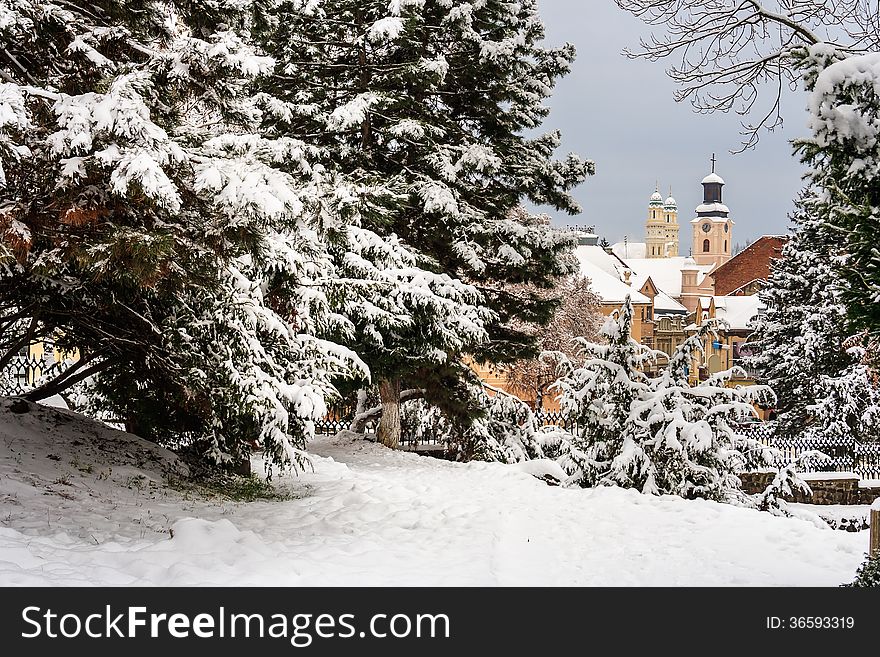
(656, 198)
(670, 203)
(713, 178)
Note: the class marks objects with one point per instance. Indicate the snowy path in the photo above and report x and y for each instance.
(368, 516)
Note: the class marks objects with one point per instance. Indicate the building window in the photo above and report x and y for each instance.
(725, 246)
(705, 246)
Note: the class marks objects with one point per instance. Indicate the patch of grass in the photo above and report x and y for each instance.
(206, 480)
(237, 488)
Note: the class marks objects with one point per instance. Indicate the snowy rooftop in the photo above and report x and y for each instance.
(607, 262)
(663, 303)
(606, 285)
(738, 311)
(713, 178)
(626, 250)
(665, 272)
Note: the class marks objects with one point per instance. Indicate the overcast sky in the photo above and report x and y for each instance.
(621, 114)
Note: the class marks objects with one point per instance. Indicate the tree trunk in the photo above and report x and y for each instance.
(359, 425)
(388, 432)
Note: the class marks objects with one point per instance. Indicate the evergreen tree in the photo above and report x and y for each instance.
(868, 574)
(659, 435)
(800, 336)
(806, 351)
(505, 430)
(598, 397)
(844, 158)
(400, 316)
(143, 217)
(423, 108)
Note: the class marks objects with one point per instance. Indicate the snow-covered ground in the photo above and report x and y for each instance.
(84, 504)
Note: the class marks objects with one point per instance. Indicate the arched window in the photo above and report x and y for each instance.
(705, 246)
(725, 246)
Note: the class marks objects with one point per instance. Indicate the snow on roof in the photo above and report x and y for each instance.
(663, 303)
(656, 196)
(738, 312)
(665, 272)
(713, 178)
(712, 207)
(599, 257)
(626, 250)
(670, 202)
(608, 287)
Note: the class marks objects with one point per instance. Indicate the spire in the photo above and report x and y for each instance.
(656, 198)
(713, 162)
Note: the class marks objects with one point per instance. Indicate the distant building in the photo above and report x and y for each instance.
(673, 294)
(730, 348)
(708, 284)
(611, 280)
(661, 229)
(683, 279)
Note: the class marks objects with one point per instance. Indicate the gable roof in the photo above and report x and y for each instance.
(665, 272)
(750, 265)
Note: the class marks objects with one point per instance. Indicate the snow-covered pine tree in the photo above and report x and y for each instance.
(659, 434)
(800, 336)
(805, 348)
(424, 106)
(830, 268)
(692, 439)
(141, 215)
(844, 158)
(401, 317)
(598, 397)
(847, 405)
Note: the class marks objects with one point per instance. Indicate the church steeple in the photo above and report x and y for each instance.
(661, 228)
(712, 227)
(712, 205)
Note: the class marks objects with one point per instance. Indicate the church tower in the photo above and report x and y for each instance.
(670, 217)
(655, 227)
(712, 227)
(661, 229)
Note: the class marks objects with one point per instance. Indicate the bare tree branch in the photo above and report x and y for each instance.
(577, 317)
(725, 51)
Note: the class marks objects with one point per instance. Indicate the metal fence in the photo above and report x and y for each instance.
(23, 373)
(843, 455)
